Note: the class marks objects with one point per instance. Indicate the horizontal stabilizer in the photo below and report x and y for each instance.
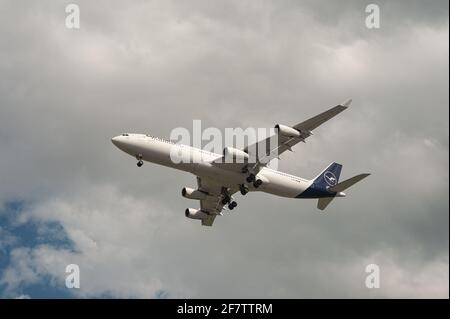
(348, 183)
(323, 202)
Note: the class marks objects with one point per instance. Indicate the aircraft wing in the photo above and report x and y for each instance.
(305, 128)
(271, 150)
(318, 120)
(213, 204)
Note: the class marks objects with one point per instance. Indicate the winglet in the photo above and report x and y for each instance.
(347, 103)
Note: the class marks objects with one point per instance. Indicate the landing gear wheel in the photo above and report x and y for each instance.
(257, 183)
(232, 205)
(250, 178)
(140, 163)
(243, 189)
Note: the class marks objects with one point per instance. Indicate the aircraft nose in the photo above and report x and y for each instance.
(115, 140)
(119, 141)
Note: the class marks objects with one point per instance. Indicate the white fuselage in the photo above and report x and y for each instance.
(159, 151)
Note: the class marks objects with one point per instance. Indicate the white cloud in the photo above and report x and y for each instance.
(111, 232)
(125, 249)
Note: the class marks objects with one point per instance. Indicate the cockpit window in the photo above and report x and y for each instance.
(124, 134)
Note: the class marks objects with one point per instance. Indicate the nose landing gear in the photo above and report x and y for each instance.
(140, 162)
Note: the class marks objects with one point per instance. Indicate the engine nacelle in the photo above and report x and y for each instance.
(287, 131)
(193, 193)
(195, 213)
(233, 154)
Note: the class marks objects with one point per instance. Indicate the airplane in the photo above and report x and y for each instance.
(218, 180)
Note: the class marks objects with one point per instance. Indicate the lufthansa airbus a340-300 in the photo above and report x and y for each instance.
(218, 180)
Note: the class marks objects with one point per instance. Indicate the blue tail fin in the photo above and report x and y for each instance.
(320, 185)
(329, 176)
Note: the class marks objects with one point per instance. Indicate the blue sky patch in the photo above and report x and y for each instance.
(29, 234)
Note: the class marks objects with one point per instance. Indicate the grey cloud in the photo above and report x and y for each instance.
(150, 67)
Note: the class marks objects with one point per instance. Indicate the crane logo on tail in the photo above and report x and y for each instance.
(330, 178)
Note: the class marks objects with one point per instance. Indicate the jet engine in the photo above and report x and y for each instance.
(195, 213)
(287, 131)
(231, 154)
(193, 193)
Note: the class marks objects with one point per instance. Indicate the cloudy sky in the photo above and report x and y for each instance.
(67, 195)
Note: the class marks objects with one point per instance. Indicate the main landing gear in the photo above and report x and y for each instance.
(244, 189)
(140, 162)
(252, 179)
(228, 200)
(232, 205)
